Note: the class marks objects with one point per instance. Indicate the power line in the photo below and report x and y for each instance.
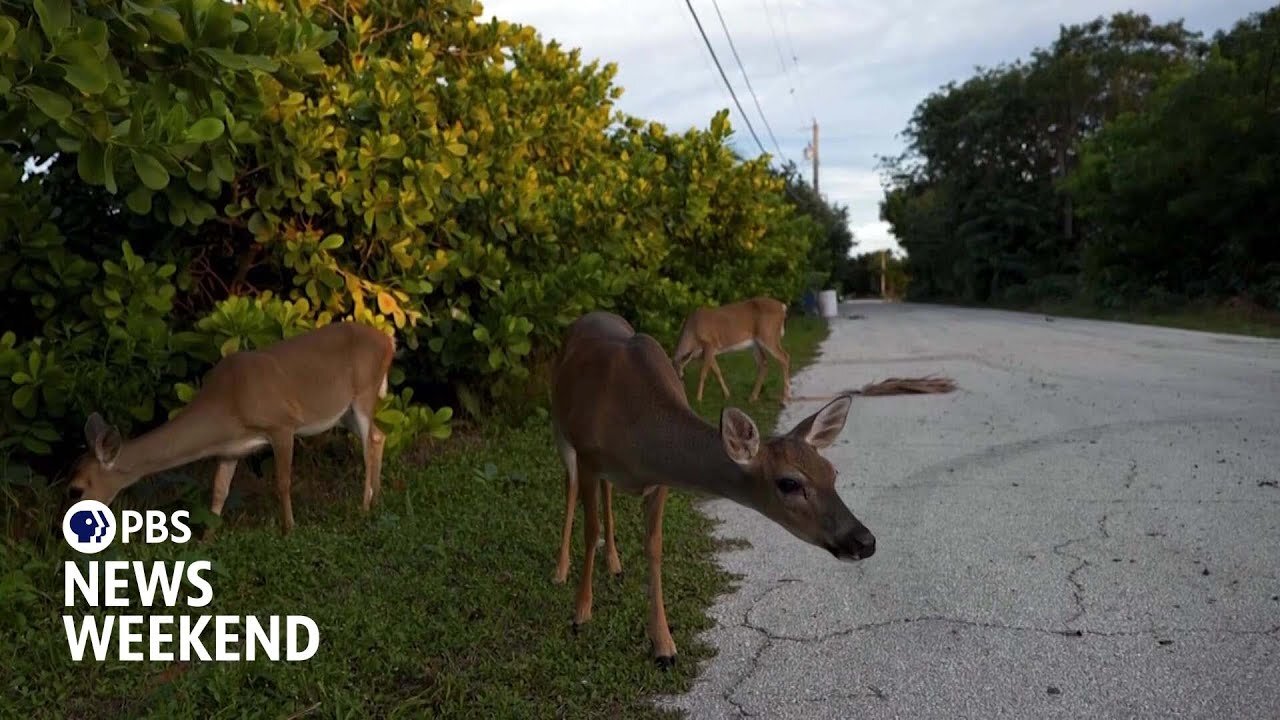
(724, 77)
(733, 48)
(782, 61)
(795, 60)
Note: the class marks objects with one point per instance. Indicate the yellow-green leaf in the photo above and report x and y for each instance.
(205, 130)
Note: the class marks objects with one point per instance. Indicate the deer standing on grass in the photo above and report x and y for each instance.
(758, 323)
(300, 386)
(620, 416)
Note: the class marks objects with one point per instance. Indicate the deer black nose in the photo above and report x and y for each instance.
(868, 545)
(859, 543)
(75, 493)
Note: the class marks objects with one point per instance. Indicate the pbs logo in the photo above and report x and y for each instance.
(89, 527)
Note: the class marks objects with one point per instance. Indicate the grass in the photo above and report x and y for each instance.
(1217, 317)
(439, 604)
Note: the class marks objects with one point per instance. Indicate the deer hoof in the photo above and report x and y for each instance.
(665, 662)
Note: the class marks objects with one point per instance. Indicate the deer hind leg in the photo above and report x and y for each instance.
(570, 458)
(221, 488)
(715, 367)
(590, 532)
(610, 546)
(359, 420)
(784, 362)
(282, 450)
(702, 373)
(762, 369)
(664, 648)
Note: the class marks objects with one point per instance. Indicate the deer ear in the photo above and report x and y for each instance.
(739, 434)
(823, 427)
(104, 439)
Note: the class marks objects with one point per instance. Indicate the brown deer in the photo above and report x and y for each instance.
(250, 399)
(620, 416)
(758, 323)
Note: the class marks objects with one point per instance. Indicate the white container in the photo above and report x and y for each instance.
(827, 303)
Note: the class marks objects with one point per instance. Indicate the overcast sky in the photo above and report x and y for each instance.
(859, 66)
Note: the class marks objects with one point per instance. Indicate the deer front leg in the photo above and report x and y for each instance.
(664, 648)
(590, 531)
(282, 449)
(610, 546)
(221, 488)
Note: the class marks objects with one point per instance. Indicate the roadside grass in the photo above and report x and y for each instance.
(438, 604)
(1231, 318)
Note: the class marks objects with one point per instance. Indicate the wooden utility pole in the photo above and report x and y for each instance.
(811, 152)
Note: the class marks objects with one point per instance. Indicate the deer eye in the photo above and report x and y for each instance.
(787, 485)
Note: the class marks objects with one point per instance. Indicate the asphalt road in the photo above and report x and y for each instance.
(1089, 527)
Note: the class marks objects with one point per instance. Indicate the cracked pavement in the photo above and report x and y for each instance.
(1088, 527)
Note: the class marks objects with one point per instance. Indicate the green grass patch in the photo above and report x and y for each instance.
(439, 604)
(1231, 318)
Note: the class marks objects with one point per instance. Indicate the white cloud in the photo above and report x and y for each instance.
(863, 66)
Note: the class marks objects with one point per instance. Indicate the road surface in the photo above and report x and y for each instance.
(1089, 527)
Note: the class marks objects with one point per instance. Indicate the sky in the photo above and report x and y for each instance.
(859, 67)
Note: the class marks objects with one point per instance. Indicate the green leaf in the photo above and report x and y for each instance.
(205, 130)
(223, 167)
(231, 345)
(49, 102)
(167, 25)
(55, 16)
(457, 149)
(89, 78)
(226, 58)
(8, 32)
(139, 200)
(108, 170)
(23, 398)
(332, 242)
(150, 170)
(89, 163)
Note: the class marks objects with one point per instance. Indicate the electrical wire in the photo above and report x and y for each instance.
(724, 77)
(734, 49)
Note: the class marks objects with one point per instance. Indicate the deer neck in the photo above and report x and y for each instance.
(186, 438)
(693, 458)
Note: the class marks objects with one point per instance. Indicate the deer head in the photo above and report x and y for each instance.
(96, 476)
(791, 484)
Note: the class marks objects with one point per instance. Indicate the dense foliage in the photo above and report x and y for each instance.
(1130, 161)
(215, 176)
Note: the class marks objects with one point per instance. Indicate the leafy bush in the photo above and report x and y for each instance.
(216, 176)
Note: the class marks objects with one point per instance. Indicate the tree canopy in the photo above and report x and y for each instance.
(1128, 161)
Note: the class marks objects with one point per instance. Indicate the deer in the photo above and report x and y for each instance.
(620, 416)
(757, 323)
(251, 399)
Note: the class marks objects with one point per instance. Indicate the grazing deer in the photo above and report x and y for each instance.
(620, 416)
(757, 323)
(300, 386)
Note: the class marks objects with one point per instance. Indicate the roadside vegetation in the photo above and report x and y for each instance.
(1126, 171)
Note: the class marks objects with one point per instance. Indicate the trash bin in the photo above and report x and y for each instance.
(827, 303)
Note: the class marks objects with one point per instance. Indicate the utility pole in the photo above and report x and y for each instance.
(811, 153)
